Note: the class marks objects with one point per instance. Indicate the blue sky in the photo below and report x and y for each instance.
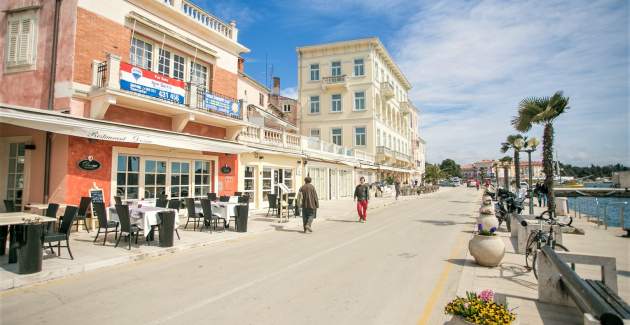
(470, 63)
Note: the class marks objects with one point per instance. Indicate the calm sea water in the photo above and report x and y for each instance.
(595, 206)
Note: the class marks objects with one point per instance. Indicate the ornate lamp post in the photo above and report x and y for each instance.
(530, 146)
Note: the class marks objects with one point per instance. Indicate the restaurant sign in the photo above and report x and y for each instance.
(89, 164)
(221, 105)
(151, 84)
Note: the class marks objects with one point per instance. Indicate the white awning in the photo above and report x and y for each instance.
(57, 122)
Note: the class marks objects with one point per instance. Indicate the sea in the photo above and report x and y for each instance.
(608, 207)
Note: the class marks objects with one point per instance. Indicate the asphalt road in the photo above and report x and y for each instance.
(398, 268)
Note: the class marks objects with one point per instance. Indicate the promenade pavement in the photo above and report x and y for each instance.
(518, 287)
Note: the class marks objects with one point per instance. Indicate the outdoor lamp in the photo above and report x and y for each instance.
(532, 143)
(519, 143)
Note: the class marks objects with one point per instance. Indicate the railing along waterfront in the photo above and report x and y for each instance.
(605, 211)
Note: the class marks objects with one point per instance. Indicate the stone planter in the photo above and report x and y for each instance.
(486, 199)
(458, 320)
(486, 209)
(488, 221)
(487, 250)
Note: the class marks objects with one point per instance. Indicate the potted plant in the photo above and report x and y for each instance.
(487, 217)
(487, 248)
(479, 309)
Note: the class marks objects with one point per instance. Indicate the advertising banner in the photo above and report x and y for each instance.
(151, 84)
(221, 105)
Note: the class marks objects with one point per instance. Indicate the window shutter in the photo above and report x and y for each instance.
(24, 47)
(12, 51)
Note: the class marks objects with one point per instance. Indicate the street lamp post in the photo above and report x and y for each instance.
(530, 147)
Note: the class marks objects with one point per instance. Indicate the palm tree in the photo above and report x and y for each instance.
(496, 165)
(511, 142)
(542, 110)
(505, 163)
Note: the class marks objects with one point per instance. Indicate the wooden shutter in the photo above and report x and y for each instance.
(25, 41)
(12, 42)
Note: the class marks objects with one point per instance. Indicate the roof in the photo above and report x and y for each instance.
(254, 81)
(372, 41)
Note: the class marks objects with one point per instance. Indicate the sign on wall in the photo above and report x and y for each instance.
(89, 164)
(151, 84)
(221, 105)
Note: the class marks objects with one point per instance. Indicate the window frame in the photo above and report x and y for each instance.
(30, 62)
(364, 107)
(149, 58)
(311, 102)
(360, 66)
(314, 70)
(333, 135)
(333, 100)
(356, 144)
(334, 68)
(319, 133)
(192, 75)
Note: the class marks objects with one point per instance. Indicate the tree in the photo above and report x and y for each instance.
(451, 168)
(433, 173)
(506, 162)
(543, 110)
(511, 143)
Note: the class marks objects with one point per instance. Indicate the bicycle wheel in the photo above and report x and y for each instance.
(530, 250)
(556, 247)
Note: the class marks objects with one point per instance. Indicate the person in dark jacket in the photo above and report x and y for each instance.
(310, 204)
(397, 187)
(362, 195)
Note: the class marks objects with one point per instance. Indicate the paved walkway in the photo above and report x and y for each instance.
(90, 256)
(518, 287)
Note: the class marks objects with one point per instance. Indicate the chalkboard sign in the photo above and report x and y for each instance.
(97, 195)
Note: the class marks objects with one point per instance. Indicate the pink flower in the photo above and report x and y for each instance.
(486, 295)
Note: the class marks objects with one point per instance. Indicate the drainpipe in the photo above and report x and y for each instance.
(51, 97)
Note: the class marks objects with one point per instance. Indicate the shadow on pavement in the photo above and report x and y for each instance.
(342, 220)
(281, 228)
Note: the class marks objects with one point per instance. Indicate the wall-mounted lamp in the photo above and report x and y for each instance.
(29, 147)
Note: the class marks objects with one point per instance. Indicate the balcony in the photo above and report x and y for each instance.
(202, 17)
(334, 82)
(270, 137)
(387, 90)
(119, 83)
(323, 149)
(407, 107)
(384, 154)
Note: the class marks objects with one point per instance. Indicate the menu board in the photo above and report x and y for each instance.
(97, 195)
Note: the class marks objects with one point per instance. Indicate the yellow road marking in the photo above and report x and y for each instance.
(439, 287)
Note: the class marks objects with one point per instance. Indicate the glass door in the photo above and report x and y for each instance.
(15, 177)
(249, 182)
(180, 179)
(267, 183)
(154, 178)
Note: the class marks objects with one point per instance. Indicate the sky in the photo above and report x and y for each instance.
(470, 63)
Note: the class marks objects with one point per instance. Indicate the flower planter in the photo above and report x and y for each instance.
(488, 221)
(487, 250)
(486, 209)
(458, 320)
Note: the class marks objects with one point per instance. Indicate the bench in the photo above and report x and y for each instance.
(596, 299)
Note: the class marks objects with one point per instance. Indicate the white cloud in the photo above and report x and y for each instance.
(290, 92)
(471, 63)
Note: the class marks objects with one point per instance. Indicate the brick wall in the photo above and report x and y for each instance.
(203, 130)
(97, 36)
(224, 82)
(136, 117)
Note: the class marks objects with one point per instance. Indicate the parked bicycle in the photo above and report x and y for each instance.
(542, 237)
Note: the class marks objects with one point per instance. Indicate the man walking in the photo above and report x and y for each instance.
(362, 195)
(310, 203)
(397, 187)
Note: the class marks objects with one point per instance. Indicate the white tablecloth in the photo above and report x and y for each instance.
(226, 210)
(143, 217)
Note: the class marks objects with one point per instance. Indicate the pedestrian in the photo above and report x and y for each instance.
(310, 204)
(397, 187)
(477, 184)
(362, 196)
(542, 196)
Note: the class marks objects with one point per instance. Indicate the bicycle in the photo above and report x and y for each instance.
(539, 237)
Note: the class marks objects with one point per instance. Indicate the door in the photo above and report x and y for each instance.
(15, 175)
(154, 178)
(180, 179)
(333, 184)
(249, 184)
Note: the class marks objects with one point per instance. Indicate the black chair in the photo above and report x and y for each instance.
(209, 217)
(9, 206)
(125, 225)
(63, 232)
(212, 197)
(273, 203)
(117, 199)
(243, 199)
(224, 198)
(196, 217)
(291, 206)
(103, 223)
(51, 212)
(238, 193)
(174, 204)
(161, 202)
(84, 204)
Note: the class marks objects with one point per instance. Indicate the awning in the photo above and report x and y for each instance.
(62, 123)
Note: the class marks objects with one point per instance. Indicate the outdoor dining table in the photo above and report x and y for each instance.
(144, 217)
(226, 210)
(8, 221)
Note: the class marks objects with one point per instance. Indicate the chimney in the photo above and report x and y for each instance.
(276, 86)
(241, 65)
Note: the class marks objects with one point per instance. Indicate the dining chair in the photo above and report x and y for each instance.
(212, 197)
(84, 204)
(51, 212)
(63, 233)
(209, 216)
(174, 204)
(224, 198)
(243, 199)
(117, 199)
(161, 202)
(9, 206)
(273, 203)
(125, 225)
(103, 223)
(192, 215)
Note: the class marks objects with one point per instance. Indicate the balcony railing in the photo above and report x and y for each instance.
(203, 17)
(270, 137)
(333, 82)
(212, 102)
(384, 151)
(387, 90)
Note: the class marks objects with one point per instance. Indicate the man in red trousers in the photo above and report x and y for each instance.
(362, 195)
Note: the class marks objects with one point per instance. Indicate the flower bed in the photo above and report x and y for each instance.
(480, 309)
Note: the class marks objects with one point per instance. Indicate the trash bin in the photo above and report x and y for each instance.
(242, 212)
(29, 252)
(167, 227)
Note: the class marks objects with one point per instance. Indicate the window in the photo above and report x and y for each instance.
(358, 67)
(336, 136)
(203, 178)
(178, 67)
(15, 177)
(127, 177)
(376, 71)
(267, 179)
(286, 108)
(180, 179)
(359, 136)
(287, 178)
(141, 53)
(198, 74)
(164, 62)
(336, 103)
(261, 99)
(21, 51)
(315, 133)
(314, 72)
(359, 100)
(154, 178)
(314, 104)
(249, 182)
(335, 69)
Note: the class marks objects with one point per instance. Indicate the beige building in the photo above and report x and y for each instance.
(352, 94)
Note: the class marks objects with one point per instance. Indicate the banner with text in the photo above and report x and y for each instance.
(151, 84)
(221, 105)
